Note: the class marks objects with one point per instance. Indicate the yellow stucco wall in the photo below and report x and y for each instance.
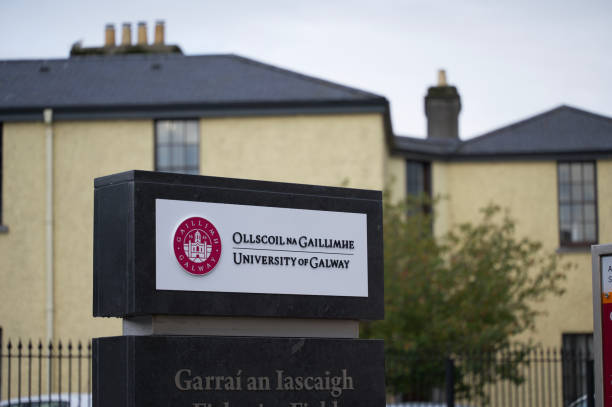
(396, 177)
(439, 191)
(317, 149)
(529, 189)
(22, 249)
(519, 186)
(604, 196)
(82, 151)
(314, 149)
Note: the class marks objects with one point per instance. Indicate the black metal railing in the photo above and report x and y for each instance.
(517, 378)
(34, 374)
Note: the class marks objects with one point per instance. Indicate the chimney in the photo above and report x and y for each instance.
(126, 34)
(142, 33)
(442, 107)
(159, 33)
(109, 35)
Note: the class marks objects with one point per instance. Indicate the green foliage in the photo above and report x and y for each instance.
(475, 288)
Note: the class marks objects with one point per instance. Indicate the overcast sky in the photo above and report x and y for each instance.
(508, 59)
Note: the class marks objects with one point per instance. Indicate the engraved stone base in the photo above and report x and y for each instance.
(139, 371)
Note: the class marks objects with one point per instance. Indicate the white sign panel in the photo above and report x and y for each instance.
(202, 246)
(606, 274)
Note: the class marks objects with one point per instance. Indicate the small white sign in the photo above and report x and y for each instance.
(203, 246)
(606, 274)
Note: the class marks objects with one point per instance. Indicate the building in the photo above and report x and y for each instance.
(105, 110)
(195, 250)
(553, 171)
(119, 107)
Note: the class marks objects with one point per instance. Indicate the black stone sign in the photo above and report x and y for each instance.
(125, 247)
(196, 371)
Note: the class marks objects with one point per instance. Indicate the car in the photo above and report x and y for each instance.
(423, 404)
(53, 400)
(580, 402)
(417, 404)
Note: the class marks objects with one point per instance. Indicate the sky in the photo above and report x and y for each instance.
(509, 59)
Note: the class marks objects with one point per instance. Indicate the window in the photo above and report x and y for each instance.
(177, 146)
(418, 181)
(577, 203)
(577, 356)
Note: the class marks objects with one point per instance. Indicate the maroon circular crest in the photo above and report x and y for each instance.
(197, 245)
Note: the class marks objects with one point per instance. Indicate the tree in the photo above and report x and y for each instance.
(474, 289)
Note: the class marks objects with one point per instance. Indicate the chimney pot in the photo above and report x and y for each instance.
(126, 34)
(109, 35)
(442, 78)
(159, 33)
(142, 33)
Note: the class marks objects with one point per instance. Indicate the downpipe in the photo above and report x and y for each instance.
(48, 120)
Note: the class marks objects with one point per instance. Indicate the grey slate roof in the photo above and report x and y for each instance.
(556, 133)
(426, 148)
(155, 80)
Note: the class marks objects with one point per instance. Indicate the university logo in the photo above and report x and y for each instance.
(197, 245)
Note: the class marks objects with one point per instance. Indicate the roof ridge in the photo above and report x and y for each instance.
(144, 57)
(305, 77)
(98, 58)
(584, 112)
(11, 61)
